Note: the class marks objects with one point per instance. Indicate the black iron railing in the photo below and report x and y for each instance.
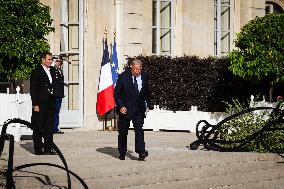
(10, 169)
(210, 135)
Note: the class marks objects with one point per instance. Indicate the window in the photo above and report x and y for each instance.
(223, 26)
(71, 49)
(271, 7)
(162, 31)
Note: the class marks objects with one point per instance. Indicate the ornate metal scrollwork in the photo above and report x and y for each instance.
(9, 173)
(210, 136)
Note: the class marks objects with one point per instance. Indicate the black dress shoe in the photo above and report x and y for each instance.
(143, 155)
(59, 132)
(121, 157)
(39, 152)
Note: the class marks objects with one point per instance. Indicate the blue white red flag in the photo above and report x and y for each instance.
(114, 64)
(105, 99)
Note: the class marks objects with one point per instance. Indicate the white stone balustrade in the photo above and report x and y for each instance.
(20, 106)
(16, 106)
(158, 119)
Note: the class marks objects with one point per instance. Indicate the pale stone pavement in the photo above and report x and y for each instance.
(93, 156)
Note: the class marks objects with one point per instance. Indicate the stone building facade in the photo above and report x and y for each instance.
(147, 27)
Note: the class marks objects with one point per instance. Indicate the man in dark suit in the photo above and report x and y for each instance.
(132, 99)
(41, 91)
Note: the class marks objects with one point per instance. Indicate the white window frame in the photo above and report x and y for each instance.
(65, 42)
(218, 27)
(158, 27)
(270, 8)
(269, 5)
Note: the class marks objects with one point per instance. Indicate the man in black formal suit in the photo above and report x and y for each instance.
(41, 91)
(132, 99)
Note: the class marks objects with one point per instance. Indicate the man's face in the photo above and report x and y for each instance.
(47, 61)
(136, 69)
(58, 63)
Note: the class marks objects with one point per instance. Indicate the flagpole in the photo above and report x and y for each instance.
(105, 37)
(114, 122)
(105, 125)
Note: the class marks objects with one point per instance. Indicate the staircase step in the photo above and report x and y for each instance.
(223, 181)
(201, 158)
(93, 155)
(134, 167)
(269, 184)
(167, 176)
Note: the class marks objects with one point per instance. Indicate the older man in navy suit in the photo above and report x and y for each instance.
(132, 99)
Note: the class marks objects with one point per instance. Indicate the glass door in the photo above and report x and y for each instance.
(71, 49)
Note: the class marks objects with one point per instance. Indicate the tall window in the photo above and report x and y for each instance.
(69, 47)
(271, 7)
(162, 31)
(223, 26)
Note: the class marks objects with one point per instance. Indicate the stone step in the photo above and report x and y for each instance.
(118, 170)
(154, 155)
(93, 155)
(260, 179)
(153, 162)
(269, 184)
(124, 177)
(270, 177)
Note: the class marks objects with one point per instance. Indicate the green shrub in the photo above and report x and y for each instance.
(181, 82)
(242, 127)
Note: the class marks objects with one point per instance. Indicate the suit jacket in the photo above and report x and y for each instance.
(126, 96)
(41, 90)
(58, 81)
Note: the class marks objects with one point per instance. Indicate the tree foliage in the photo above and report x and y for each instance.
(260, 49)
(23, 27)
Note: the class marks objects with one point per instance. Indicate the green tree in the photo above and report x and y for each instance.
(23, 27)
(260, 50)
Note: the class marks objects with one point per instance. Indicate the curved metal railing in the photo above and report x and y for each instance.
(9, 172)
(209, 135)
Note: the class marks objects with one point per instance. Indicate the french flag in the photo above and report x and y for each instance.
(105, 99)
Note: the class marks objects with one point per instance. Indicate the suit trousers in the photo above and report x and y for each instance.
(43, 121)
(58, 102)
(123, 126)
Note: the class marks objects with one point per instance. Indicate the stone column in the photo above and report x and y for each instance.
(119, 29)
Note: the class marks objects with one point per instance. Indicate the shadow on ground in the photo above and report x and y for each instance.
(29, 146)
(42, 179)
(114, 152)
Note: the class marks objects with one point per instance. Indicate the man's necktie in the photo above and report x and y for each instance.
(136, 85)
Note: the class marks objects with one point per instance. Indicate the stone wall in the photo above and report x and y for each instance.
(193, 34)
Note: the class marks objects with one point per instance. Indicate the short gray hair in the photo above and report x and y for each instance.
(136, 61)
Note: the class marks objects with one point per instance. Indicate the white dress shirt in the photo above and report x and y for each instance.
(47, 71)
(139, 82)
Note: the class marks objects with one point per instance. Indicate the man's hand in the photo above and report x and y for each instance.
(123, 110)
(36, 108)
(147, 111)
